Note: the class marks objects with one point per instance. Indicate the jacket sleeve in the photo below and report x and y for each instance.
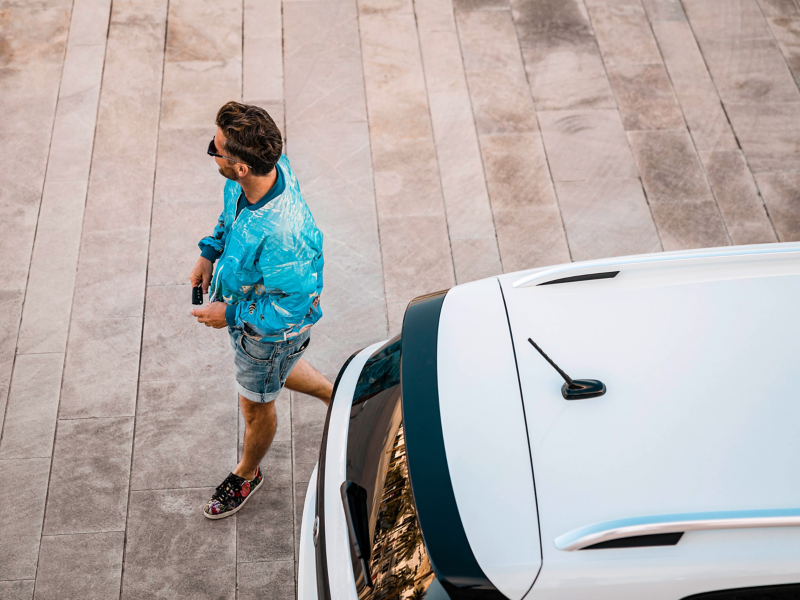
(211, 247)
(290, 287)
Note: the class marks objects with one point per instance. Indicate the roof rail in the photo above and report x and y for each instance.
(659, 524)
(659, 259)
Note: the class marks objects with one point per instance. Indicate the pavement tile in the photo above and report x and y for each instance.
(111, 274)
(779, 8)
(566, 19)
(526, 215)
(85, 566)
(89, 481)
(688, 224)
(89, 23)
(461, 167)
(323, 76)
(186, 434)
(9, 327)
(21, 529)
(195, 90)
(501, 98)
(17, 590)
(467, 5)
(696, 93)
(35, 35)
(308, 421)
(265, 527)
(645, 97)
(769, 135)
(101, 370)
(175, 345)
(262, 67)
(564, 76)
(18, 212)
(177, 228)
(55, 255)
(664, 11)
(749, 70)
(781, 193)
(606, 217)
(623, 32)
(270, 579)
(738, 198)
(406, 176)
(475, 258)
(466, 199)
(190, 175)
(586, 144)
(561, 56)
(669, 166)
(32, 406)
(300, 491)
(726, 19)
(204, 30)
(416, 256)
(73, 130)
(169, 543)
(787, 33)
(683, 207)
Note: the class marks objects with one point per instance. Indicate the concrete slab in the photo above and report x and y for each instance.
(169, 543)
(89, 481)
(32, 407)
(86, 566)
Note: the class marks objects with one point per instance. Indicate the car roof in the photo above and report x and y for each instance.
(699, 353)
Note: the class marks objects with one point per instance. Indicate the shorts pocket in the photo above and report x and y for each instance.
(257, 350)
(292, 359)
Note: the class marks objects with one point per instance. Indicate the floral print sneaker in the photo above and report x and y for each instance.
(231, 495)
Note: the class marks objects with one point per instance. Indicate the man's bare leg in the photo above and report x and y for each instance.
(307, 380)
(260, 424)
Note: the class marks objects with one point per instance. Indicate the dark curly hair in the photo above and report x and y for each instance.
(251, 136)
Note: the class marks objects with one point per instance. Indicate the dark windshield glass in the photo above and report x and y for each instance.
(395, 561)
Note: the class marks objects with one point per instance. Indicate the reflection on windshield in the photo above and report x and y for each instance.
(399, 564)
(381, 372)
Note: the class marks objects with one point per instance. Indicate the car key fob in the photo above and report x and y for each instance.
(197, 295)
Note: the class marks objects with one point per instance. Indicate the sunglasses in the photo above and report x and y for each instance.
(212, 151)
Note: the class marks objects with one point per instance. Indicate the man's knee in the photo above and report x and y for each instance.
(257, 410)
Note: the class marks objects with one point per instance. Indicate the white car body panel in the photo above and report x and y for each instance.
(306, 560)
(696, 350)
(340, 568)
(486, 442)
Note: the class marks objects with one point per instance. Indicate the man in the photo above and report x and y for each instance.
(266, 286)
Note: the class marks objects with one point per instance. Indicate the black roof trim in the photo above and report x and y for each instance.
(790, 591)
(587, 277)
(454, 563)
(639, 541)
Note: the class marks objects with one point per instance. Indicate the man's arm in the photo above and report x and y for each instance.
(211, 248)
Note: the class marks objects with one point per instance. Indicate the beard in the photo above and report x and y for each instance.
(228, 172)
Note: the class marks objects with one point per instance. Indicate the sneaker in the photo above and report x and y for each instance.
(231, 495)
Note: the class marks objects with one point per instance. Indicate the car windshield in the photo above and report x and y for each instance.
(395, 564)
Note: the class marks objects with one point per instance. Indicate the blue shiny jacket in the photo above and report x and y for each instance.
(269, 269)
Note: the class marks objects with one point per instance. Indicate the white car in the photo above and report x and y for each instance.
(663, 464)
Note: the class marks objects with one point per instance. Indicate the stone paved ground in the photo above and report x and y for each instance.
(437, 141)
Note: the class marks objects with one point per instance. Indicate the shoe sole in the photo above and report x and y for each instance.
(238, 508)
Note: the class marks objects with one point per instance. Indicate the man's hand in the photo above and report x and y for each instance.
(212, 315)
(201, 274)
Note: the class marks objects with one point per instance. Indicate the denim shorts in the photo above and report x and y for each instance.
(262, 367)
